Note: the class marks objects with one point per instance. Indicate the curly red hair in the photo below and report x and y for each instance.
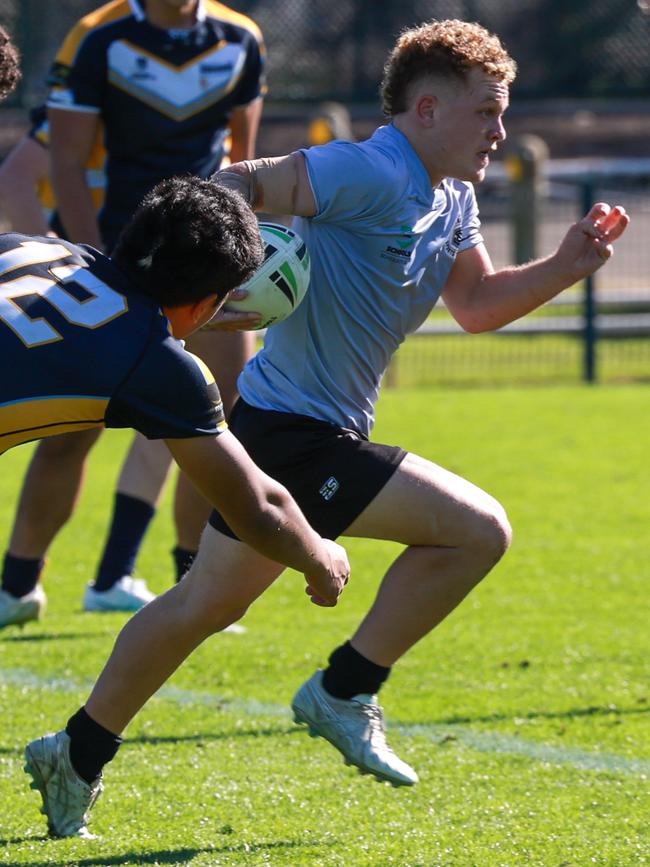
(443, 48)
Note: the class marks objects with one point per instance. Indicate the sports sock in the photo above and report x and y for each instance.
(20, 575)
(183, 559)
(91, 745)
(349, 673)
(131, 517)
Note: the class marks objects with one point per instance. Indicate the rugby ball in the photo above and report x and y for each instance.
(279, 285)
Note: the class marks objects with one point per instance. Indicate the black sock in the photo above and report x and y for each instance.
(20, 575)
(183, 559)
(91, 745)
(131, 517)
(349, 673)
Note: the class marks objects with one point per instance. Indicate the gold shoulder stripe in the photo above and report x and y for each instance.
(208, 376)
(218, 10)
(104, 15)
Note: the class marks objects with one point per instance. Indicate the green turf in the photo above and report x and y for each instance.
(526, 714)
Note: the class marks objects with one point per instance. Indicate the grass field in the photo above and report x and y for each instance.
(526, 714)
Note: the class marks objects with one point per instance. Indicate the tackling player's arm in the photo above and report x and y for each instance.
(262, 512)
(275, 185)
(72, 138)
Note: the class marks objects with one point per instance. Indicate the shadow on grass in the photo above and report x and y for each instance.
(129, 859)
(50, 636)
(571, 713)
(154, 740)
(164, 856)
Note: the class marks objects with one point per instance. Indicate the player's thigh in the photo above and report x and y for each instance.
(227, 572)
(424, 504)
(225, 353)
(68, 446)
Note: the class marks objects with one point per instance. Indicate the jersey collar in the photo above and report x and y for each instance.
(140, 15)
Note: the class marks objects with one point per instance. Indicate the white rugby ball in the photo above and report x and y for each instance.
(279, 285)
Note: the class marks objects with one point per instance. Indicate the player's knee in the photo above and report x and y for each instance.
(215, 615)
(492, 531)
(206, 609)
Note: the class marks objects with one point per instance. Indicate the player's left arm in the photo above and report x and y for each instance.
(244, 125)
(482, 299)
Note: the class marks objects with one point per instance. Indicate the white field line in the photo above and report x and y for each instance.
(484, 742)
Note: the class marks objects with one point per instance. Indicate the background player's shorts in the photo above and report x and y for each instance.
(332, 473)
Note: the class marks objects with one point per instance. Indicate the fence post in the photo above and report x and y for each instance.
(589, 308)
(524, 164)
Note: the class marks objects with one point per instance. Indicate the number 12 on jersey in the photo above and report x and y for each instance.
(102, 305)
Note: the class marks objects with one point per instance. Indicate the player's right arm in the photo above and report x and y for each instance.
(72, 138)
(262, 512)
(274, 185)
(77, 90)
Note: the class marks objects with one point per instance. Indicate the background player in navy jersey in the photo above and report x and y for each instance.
(9, 64)
(170, 81)
(398, 212)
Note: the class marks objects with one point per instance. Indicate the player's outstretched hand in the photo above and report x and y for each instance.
(233, 320)
(325, 588)
(589, 243)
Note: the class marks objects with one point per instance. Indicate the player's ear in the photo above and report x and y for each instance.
(425, 109)
(200, 309)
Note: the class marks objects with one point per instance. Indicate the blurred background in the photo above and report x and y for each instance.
(579, 132)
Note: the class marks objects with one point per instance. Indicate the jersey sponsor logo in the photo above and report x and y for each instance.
(402, 248)
(214, 68)
(328, 489)
(140, 73)
(452, 245)
(408, 237)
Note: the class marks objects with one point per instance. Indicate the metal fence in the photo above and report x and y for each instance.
(322, 50)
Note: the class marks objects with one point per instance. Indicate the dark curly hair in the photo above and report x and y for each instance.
(445, 48)
(9, 64)
(189, 238)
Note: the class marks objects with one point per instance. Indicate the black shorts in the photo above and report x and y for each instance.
(332, 473)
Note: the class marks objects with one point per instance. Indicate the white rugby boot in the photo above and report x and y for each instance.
(355, 727)
(127, 594)
(67, 799)
(19, 610)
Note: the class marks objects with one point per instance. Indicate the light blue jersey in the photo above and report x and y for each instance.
(381, 244)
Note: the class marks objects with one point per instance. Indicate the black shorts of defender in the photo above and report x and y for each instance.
(332, 473)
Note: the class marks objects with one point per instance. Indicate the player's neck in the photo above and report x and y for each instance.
(171, 17)
(421, 146)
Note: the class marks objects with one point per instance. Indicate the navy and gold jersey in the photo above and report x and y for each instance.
(165, 97)
(82, 348)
